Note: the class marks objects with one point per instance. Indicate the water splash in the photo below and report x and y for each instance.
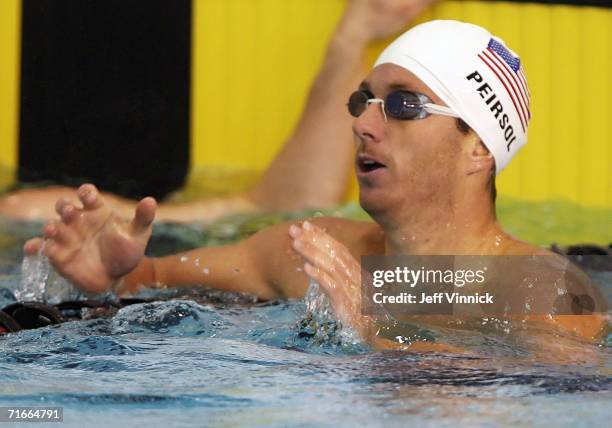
(321, 324)
(317, 302)
(34, 275)
(59, 290)
(41, 283)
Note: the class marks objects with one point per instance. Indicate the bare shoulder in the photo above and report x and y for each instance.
(360, 237)
(544, 263)
(271, 250)
(577, 296)
(547, 260)
(516, 247)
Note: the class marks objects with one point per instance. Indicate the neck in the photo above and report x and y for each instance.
(460, 225)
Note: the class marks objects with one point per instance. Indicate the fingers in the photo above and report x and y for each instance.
(50, 229)
(59, 233)
(58, 230)
(312, 254)
(60, 243)
(32, 246)
(344, 303)
(333, 267)
(90, 197)
(321, 277)
(295, 231)
(58, 254)
(313, 244)
(326, 254)
(316, 246)
(61, 204)
(322, 240)
(144, 215)
(66, 210)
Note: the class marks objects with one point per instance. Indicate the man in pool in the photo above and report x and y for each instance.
(313, 167)
(444, 110)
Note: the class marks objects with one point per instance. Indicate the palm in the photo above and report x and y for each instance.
(106, 253)
(92, 246)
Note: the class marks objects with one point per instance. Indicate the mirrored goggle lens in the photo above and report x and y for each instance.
(403, 105)
(357, 103)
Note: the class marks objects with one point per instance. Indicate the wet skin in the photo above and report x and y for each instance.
(429, 196)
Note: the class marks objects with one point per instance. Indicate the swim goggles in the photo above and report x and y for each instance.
(402, 105)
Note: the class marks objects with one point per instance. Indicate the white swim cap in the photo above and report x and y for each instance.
(475, 74)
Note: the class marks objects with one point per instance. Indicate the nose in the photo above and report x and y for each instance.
(370, 125)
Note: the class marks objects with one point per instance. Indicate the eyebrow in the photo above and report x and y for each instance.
(364, 86)
(400, 86)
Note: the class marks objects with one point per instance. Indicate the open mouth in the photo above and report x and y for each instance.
(366, 165)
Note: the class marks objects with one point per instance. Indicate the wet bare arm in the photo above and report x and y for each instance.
(260, 265)
(314, 165)
(96, 249)
(265, 264)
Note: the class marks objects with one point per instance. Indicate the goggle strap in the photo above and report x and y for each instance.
(441, 110)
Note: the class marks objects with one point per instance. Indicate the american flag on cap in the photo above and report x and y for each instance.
(508, 70)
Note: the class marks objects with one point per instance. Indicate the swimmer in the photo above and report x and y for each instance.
(430, 139)
(313, 167)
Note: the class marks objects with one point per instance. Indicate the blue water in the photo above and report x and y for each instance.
(204, 358)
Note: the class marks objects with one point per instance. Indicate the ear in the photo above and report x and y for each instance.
(479, 157)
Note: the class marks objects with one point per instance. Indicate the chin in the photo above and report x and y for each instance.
(375, 201)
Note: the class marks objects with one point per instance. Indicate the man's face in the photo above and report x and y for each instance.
(414, 160)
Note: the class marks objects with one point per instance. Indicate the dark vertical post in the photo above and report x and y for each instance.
(105, 88)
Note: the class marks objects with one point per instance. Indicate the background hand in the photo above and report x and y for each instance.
(378, 19)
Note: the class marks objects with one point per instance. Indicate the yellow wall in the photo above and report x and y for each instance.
(254, 59)
(262, 54)
(10, 11)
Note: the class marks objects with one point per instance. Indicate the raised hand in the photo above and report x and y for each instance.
(91, 245)
(334, 268)
(377, 19)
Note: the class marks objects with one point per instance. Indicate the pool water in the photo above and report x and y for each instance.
(203, 358)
